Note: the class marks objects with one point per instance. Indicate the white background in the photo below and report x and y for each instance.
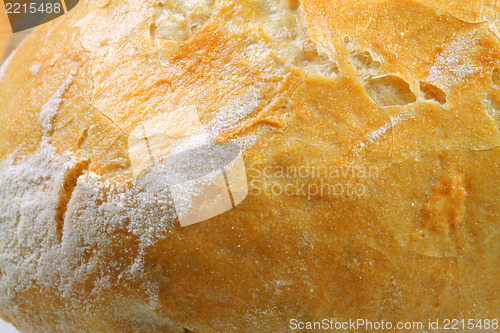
(7, 328)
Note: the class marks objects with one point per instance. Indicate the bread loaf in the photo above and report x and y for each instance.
(369, 130)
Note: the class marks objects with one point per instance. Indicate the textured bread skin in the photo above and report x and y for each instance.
(410, 88)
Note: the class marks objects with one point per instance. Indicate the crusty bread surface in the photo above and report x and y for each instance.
(396, 99)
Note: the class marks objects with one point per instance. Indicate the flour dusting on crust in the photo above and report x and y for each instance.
(35, 247)
(456, 62)
(50, 109)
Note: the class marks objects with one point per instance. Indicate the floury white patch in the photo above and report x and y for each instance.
(174, 154)
(203, 182)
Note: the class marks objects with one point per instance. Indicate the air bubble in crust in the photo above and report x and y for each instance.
(390, 90)
(431, 92)
(495, 77)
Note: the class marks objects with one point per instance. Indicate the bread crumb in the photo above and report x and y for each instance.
(35, 69)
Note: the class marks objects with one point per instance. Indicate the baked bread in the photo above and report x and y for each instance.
(369, 131)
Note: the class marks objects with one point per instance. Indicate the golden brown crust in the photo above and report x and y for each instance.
(408, 88)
